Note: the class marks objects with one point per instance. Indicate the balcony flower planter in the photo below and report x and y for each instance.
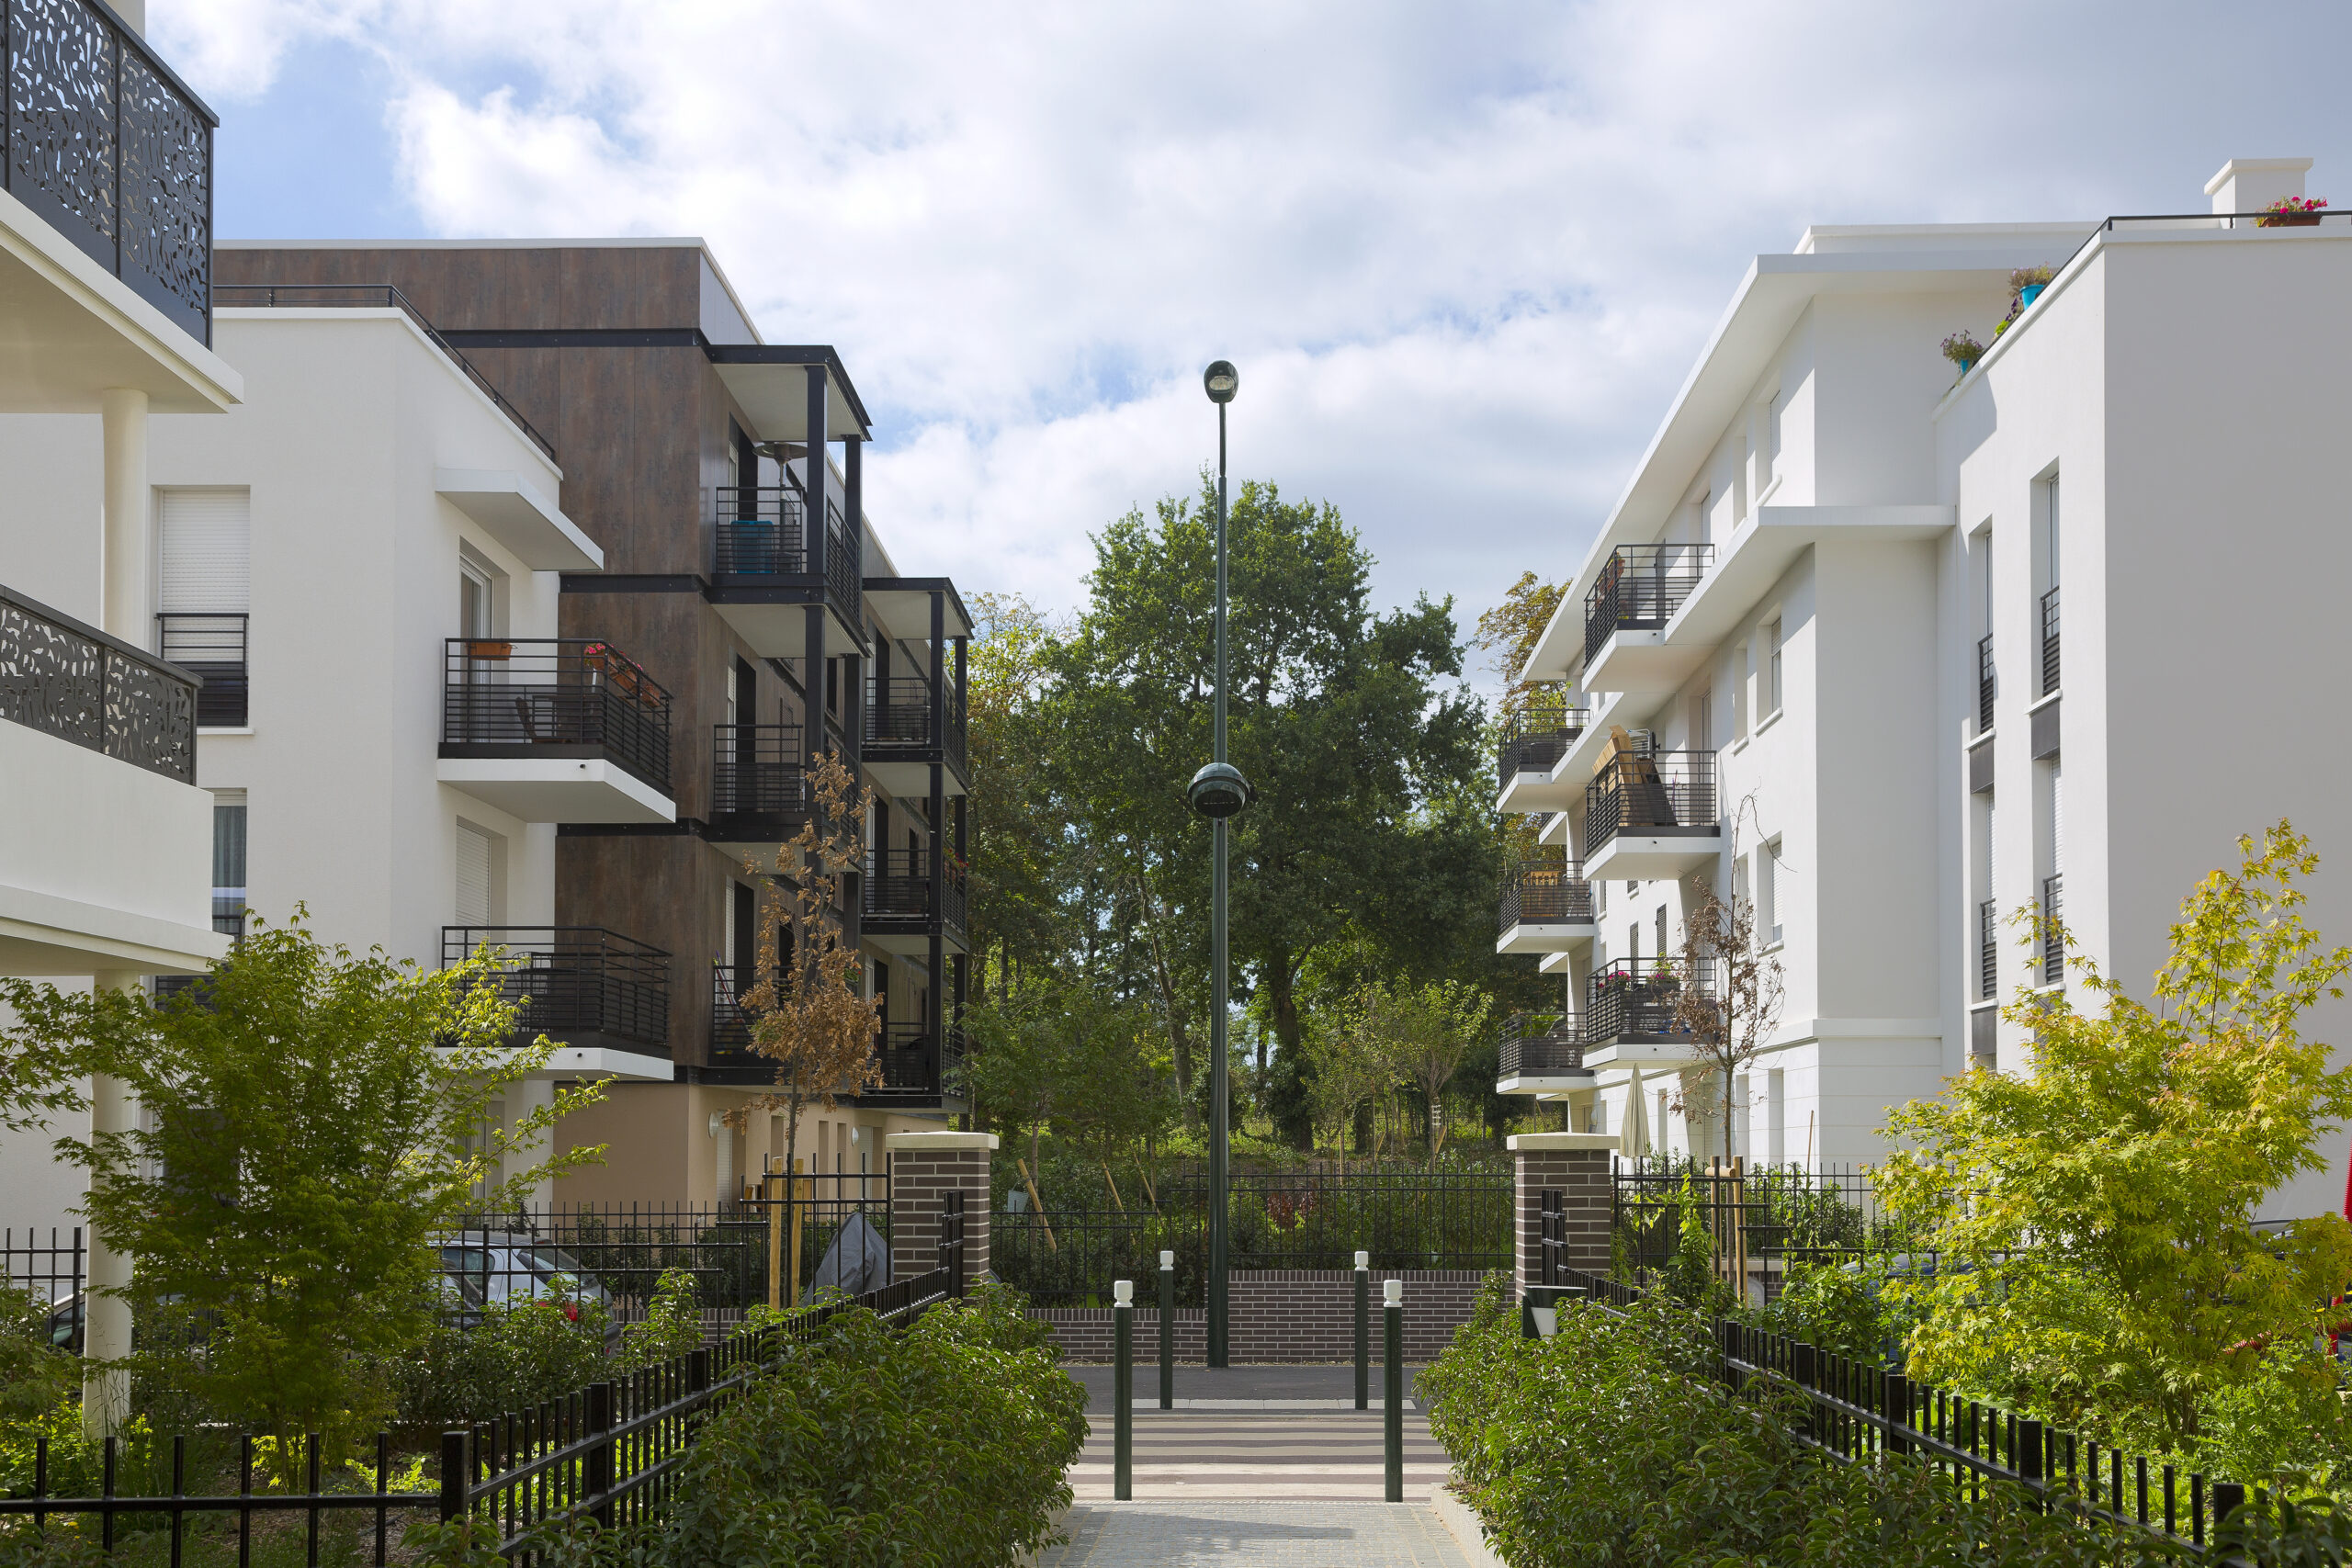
(2029, 294)
(2290, 212)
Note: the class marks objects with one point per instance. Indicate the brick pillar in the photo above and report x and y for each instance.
(923, 1167)
(1575, 1164)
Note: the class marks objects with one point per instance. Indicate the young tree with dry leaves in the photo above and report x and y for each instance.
(1729, 1021)
(806, 1014)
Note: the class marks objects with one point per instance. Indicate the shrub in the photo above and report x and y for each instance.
(519, 1355)
(947, 1443)
(671, 1324)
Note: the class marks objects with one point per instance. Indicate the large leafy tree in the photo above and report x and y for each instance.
(2096, 1214)
(1019, 849)
(1350, 721)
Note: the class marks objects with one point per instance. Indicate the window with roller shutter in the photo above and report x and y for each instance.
(204, 541)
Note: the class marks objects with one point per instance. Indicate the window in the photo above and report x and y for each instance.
(204, 590)
(1773, 671)
(475, 876)
(475, 601)
(229, 862)
(1768, 892)
(1706, 524)
(1767, 441)
(1739, 894)
(1661, 930)
(1739, 672)
(1703, 722)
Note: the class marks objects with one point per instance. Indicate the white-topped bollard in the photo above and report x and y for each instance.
(1363, 1329)
(1123, 1385)
(1168, 1331)
(1392, 1410)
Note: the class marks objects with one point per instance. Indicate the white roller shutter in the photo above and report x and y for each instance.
(473, 875)
(206, 536)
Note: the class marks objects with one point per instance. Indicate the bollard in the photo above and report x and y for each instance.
(1391, 1408)
(1123, 1384)
(1363, 1329)
(1168, 1331)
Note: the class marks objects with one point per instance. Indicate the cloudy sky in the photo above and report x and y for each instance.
(1462, 253)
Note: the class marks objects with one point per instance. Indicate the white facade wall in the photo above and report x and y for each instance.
(2174, 383)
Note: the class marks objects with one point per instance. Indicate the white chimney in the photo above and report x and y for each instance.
(2251, 185)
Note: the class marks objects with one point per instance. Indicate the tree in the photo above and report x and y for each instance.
(805, 1011)
(1422, 1033)
(1017, 841)
(1337, 715)
(1508, 635)
(2097, 1215)
(1349, 1069)
(1728, 1001)
(1015, 1071)
(314, 1120)
(1110, 1097)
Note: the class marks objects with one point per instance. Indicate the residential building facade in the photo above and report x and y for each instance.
(1814, 657)
(616, 627)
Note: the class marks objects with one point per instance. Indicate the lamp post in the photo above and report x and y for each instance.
(1219, 791)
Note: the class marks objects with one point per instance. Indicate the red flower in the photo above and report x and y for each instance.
(571, 1312)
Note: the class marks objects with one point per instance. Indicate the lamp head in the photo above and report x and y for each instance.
(1222, 381)
(1219, 791)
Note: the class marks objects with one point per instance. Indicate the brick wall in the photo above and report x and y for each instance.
(920, 1177)
(1286, 1314)
(1582, 1178)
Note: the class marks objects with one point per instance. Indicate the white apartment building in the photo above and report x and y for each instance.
(1822, 628)
(105, 317)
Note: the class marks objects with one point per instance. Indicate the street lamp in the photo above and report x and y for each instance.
(1219, 791)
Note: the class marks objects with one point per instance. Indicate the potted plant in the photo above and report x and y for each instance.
(2290, 212)
(2026, 285)
(1963, 349)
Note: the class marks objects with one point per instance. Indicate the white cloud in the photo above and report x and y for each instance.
(1462, 254)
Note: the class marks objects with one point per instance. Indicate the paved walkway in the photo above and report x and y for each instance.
(1257, 1465)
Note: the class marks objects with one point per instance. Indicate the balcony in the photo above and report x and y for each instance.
(903, 906)
(921, 1068)
(1650, 814)
(1641, 1011)
(1542, 1054)
(555, 729)
(1533, 742)
(105, 844)
(762, 580)
(1626, 613)
(599, 994)
(1546, 907)
(903, 741)
(759, 792)
(212, 649)
(113, 152)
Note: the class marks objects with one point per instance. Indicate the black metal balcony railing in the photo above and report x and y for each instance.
(1984, 684)
(1988, 953)
(213, 648)
(918, 1060)
(1645, 995)
(899, 886)
(372, 297)
(898, 720)
(2050, 642)
(730, 1028)
(1545, 893)
(757, 782)
(762, 531)
(72, 680)
(580, 984)
(1538, 738)
(2054, 941)
(1665, 793)
(1639, 589)
(113, 150)
(1542, 1044)
(563, 695)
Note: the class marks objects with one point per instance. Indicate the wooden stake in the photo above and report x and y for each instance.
(770, 1189)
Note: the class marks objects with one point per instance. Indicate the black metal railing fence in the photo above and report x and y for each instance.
(1545, 893)
(756, 774)
(575, 980)
(1538, 737)
(557, 691)
(1542, 1044)
(1639, 589)
(1658, 794)
(210, 647)
(72, 680)
(1760, 1218)
(1647, 995)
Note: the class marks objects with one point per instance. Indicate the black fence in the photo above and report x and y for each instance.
(1292, 1220)
(582, 984)
(762, 531)
(1639, 589)
(898, 720)
(898, 886)
(1538, 738)
(1759, 1219)
(758, 785)
(210, 647)
(555, 697)
(49, 1264)
(1542, 1044)
(607, 1451)
(1661, 794)
(1857, 1410)
(1638, 997)
(1545, 893)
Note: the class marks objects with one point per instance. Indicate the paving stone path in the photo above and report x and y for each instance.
(1269, 1466)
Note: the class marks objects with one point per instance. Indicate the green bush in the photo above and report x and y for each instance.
(519, 1355)
(671, 1324)
(1609, 1445)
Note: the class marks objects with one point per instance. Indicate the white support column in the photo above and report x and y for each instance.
(106, 1318)
(129, 610)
